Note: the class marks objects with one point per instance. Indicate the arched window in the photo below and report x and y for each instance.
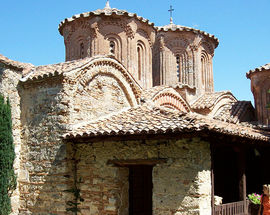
(81, 50)
(205, 71)
(112, 47)
(183, 68)
(178, 67)
(140, 59)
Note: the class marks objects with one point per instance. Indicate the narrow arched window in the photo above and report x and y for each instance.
(81, 50)
(178, 67)
(139, 57)
(206, 71)
(112, 47)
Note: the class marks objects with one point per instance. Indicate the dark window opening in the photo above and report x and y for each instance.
(81, 50)
(140, 190)
(112, 47)
(139, 62)
(178, 67)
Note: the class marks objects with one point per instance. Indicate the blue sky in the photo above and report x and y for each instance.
(29, 31)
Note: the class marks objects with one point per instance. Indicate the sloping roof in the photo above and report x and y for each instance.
(173, 27)
(106, 12)
(234, 112)
(259, 69)
(208, 100)
(150, 93)
(54, 69)
(15, 64)
(40, 72)
(155, 120)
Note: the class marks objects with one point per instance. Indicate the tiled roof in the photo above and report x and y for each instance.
(115, 11)
(150, 93)
(15, 64)
(209, 99)
(40, 72)
(54, 69)
(259, 69)
(106, 12)
(154, 120)
(234, 112)
(173, 27)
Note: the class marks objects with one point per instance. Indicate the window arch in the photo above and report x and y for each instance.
(114, 46)
(178, 67)
(81, 50)
(141, 60)
(206, 71)
(184, 68)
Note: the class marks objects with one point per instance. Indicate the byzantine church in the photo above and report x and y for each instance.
(130, 124)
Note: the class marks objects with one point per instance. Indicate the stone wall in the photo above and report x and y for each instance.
(182, 185)
(99, 89)
(44, 165)
(9, 78)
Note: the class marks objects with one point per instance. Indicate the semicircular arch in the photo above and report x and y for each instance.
(220, 102)
(111, 68)
(169, 98)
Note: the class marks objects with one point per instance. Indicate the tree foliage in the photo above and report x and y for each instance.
(7, 156)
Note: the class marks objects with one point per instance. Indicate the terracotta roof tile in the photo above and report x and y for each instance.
(208, 100)
(234, 112)
(259, 69)
(154, 120)
(15, 64)
(40, 72)
(106, 12)
(173, 27)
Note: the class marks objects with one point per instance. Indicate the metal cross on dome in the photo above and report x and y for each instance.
(107, 4)
(171, 11)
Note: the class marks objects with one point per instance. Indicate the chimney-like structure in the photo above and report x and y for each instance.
(260, 86)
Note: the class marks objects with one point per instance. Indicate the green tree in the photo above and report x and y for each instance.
(7, 156)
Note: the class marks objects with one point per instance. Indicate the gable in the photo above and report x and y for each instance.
(101, 87)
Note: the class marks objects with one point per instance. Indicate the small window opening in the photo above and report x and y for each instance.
(81, 50)
(112, 47)
(140, 189)
(178, 67)
(139, 53)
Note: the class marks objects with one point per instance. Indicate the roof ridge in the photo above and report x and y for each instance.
(13, 63)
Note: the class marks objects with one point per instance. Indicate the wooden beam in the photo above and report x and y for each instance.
(242, 175)
(125, 163)
(212, 180)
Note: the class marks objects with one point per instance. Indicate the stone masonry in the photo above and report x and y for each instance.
(128, 91)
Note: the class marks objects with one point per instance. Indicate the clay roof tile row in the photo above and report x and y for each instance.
(106, 12)
(173, 27)
(15, 64)
(258, 69)
(155, 120)
(115, 11)
(208, 100)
